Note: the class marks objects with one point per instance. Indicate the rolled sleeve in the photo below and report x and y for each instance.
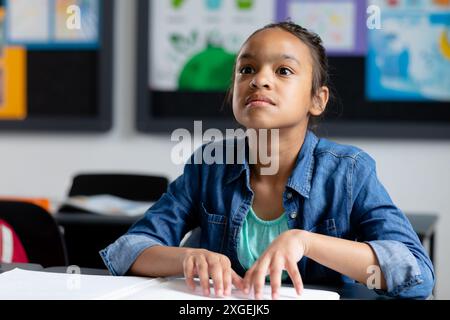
(398, 264)
(120, 255)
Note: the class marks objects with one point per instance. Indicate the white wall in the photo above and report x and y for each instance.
(416, 173)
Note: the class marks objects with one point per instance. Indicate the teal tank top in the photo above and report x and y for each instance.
(256, 235)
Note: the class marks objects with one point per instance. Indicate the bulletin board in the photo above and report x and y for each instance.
(391, 81)
(56, 65)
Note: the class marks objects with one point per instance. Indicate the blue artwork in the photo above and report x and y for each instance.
(409, 57)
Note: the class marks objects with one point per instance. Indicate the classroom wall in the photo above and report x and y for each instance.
(416, 173)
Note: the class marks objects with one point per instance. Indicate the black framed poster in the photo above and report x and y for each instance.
(56, 65)
(389, 62)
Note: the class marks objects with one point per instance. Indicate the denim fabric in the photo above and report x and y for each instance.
(333, 190)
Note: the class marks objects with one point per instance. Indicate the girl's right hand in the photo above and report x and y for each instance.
(206, 264)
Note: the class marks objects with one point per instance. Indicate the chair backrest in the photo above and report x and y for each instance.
(38, 232)
(85, 240)
(129, 186)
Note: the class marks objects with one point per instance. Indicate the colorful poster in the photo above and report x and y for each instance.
(193, 43)
(68, 28)
(2, 47)
(12, 84)
(340, 23)
(12, 78)
(409, 56)
(2, 30)
(53, 23)
(28, 21)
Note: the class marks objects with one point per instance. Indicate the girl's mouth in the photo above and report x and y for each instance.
(257, 100)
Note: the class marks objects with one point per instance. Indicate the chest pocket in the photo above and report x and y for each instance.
(213, 230)
(326, 227)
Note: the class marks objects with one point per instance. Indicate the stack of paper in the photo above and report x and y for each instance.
(30, 285)
(109, 205)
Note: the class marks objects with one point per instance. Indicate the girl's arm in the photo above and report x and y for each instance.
(164, 224)
(353, 259)
(150, 247)
(160, 261)
(376, 221)
(385, 238)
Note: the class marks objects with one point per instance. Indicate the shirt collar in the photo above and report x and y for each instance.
(238, 167)
(301, 176)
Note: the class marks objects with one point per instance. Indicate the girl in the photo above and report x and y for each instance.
(323, 217)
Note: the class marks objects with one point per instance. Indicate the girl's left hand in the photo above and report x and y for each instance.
(282, 254)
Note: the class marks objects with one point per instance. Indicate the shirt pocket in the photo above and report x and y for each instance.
(325, 227)
(213, 230)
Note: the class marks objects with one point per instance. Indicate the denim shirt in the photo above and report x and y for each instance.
(333, 190)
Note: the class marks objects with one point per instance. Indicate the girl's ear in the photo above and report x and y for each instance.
(319, 101)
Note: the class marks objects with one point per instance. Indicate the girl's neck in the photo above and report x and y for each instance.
(284, 155)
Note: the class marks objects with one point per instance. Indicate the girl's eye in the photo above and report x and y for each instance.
(284, 71)
(246, 70)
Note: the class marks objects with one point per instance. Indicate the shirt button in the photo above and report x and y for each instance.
(293, 215)
(289, 195)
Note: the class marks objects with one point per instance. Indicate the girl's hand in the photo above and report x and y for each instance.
(205, 264)
(282, 254)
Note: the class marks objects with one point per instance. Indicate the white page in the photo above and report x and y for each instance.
(35, 285)
(176, 289)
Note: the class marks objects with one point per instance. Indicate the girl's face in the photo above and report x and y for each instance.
(272, 84)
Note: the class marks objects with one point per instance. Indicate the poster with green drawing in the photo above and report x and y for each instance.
(193, 43)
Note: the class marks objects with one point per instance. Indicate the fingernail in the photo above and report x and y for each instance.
(206, 292)
(275, 296)
(219, 293)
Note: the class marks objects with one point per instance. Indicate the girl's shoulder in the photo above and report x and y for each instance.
(343, 152)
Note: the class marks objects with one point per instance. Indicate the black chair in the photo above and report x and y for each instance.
(85, 236)
(128, 186)
(38, 232)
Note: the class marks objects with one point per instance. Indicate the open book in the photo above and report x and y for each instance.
(21, 284)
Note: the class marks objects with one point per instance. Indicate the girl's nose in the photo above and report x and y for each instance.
(260, 80)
